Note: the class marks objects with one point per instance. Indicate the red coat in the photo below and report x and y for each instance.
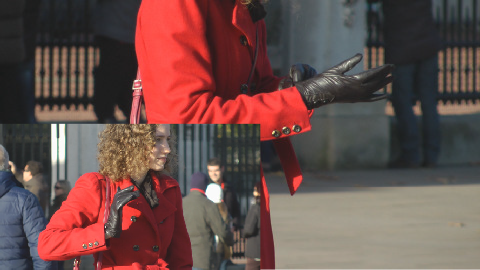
(149, 236)
(194, 55)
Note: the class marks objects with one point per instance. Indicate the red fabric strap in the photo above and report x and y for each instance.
(289, 161)
(137, 100)
(199, 190)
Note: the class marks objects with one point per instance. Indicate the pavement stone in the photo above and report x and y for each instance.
(366, 219)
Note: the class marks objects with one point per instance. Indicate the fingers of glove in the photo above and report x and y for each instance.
(374, 73)
(375, 97)
(310, 72)
(297, 72)
(127, 197)
(376, 85)
(346, 65)
(301, 72)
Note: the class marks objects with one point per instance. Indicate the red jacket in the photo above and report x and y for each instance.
(194, 55)
(149, 236)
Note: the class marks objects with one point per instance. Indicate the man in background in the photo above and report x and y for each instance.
(216, 173)
(33, 180)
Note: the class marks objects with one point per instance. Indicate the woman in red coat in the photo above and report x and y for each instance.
(205, 61)
(145, 227)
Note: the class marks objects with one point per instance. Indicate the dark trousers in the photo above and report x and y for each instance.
(114, 78)
(419, 79)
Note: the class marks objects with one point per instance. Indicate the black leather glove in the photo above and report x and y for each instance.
(333, 86)
(297, 73)
(113, 227)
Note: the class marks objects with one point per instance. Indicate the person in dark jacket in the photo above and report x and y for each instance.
(114, 27)
(12, 53)
(203, 221)
(22, 220)
(215, 172)
(251, 231)
(412, 43)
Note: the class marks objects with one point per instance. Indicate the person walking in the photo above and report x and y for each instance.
(412, 43)
(145, 228)
(203, 221)
(22, 219)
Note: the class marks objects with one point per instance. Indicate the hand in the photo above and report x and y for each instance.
(113, 227)
(297, 73)
(333, 86)
(13, 168)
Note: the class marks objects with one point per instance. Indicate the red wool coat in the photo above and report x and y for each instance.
(150, 237)
(194, 55)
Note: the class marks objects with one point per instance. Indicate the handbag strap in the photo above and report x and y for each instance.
(76, 262)
(137, 100)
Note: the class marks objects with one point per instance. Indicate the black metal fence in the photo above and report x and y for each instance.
(28, 142)
(459, 63)
(238, 148)
(66, 54)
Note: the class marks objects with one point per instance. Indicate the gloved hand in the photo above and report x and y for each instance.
(333, 86)
(297, 73)
(113, 227)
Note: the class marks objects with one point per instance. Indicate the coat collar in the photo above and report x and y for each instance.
(242, 21)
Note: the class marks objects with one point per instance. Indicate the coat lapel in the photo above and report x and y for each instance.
(242, 21)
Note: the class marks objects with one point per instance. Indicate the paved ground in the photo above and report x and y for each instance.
(379, 219)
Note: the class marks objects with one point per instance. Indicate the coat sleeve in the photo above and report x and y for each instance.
(252, 221)
(33, 223)
(218, 226)
(177, 75)
(75, 229)
(179, 254)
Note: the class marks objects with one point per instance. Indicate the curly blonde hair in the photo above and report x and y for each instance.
(124, 149)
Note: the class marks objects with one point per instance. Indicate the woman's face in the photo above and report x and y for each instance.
(159, 152)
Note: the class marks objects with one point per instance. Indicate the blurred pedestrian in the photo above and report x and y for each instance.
(251, 231)
(203, 220)
(62, 188)
(412, 43)
(145, 228)
(27, 67)
(33, 180)
(114, 28)
(205, 61)
(216, 172)
(222, 252)
(21, 219)
(12, 54)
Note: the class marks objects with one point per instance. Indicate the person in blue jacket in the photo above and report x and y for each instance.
(21, 221)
